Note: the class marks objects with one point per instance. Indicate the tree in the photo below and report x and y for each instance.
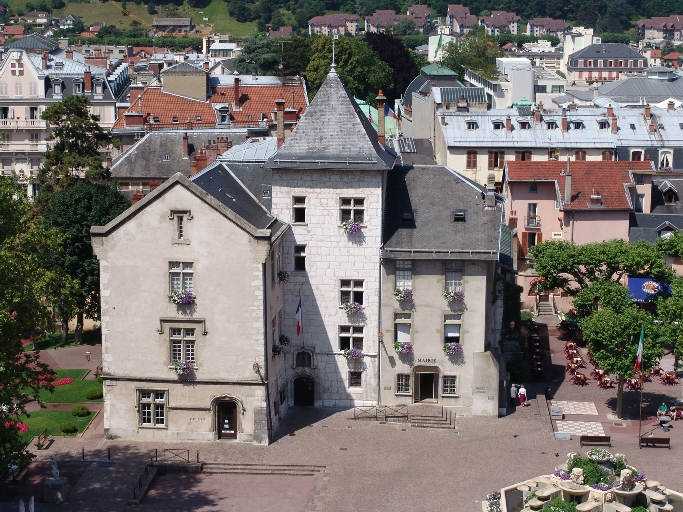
(76, 139)
(613, 337)
(358, 66)
(473, 51)
(599, 295)
(391, 51)
(151, 8)
(27, 287)
(258, 57)
(73, 211)
(295, 53)
(404, 27)
(670, 313)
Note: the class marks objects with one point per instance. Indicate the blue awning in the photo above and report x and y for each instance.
(645, 289)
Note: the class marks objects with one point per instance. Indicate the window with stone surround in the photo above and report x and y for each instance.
(350, 336)
(152, 408)
(404, 274)
(402, 327)
(300, 258)
(451, 328)
(352, 208)
(181, 276)
(351, 291)
(182, 344)
(303, 359)
(299, 210)
(403, 383)
(450, 385)
(453, 276)
(355, 379)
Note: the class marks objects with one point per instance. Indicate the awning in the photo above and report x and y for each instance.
(645, 289)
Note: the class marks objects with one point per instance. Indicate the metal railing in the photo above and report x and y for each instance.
(369, 411)
(23, 123)
(532, 221)
(142, 479)
(176, 455)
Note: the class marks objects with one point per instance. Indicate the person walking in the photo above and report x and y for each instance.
(513, 394)
(522, 396)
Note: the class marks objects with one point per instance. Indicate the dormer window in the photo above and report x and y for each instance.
(577, 125)
(155, 120)
(57, 88)
(459, 216)
(498, 125)
(174, 119)
(669, 197)
(78, 88)
(167, 158)
(471, 125)
(524, 125)
(665, 159)
(198, 119)
(98, 88)
(551, 125)
(603, 125)
(223, 115)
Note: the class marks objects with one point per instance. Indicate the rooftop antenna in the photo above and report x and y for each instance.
(334, 38)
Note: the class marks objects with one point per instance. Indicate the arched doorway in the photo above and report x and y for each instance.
(227, 420)
(304, 388)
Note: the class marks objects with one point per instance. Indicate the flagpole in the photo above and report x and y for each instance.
(639, 359)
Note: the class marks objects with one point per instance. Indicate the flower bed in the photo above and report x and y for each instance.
(453, 296)
(452, 349)
(351, 227)
(354, 353)
(21, 427)
(352, 308)
(184, 367)
(182, 297)
(403, 348)
(403, 295)
(493, 502)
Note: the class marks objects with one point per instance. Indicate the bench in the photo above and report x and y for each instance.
(655, 441)
(43, 440)
(583, 440)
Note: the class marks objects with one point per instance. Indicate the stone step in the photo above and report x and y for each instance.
(425, 417)
(261, 469)
(433, 425)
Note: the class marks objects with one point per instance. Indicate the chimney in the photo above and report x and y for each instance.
(44, 61)
(186, 146)
(565, 123)
(572, 106)
(108, 162)
(193, 168)
(206, 65)
(380, 117)
(651, 127)
(236, 89)
(443, 120)
(154, 184)
(490, 201)
(568, 185)
(70, 54)
(137, 195)
(87, 78)
(223, 144)
(508, 123)
(111, 67)
(144, 83)
(610, 110)
(671, 105)
(280, 131)
(648, 112)
(539, 110)
(188, 124)
(615, 128)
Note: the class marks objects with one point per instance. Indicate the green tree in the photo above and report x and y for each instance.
(358, 66)
(670, 313)
(73, 211)
(613, 338)
(27, 287)
(404, 27)
(599, 295)
(391, 51)
(474, 51)
(259, 57)
(76, 141)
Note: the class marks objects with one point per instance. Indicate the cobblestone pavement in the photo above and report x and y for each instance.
(375, 467)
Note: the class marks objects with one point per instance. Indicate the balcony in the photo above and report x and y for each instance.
(532, 221)
(23, 146)
(21, 124)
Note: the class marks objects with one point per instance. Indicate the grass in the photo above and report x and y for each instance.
(219, 19)
(70, 393)
(51, 420)
(54, 340)
(108, 13)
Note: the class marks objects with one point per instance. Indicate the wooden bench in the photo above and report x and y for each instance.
(607, 440)
(43, 440)
(655, 441)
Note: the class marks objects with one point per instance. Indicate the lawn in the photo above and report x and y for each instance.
(54, 340)
(108, 13)
(51, 420)
(219, 19)
(70, 393)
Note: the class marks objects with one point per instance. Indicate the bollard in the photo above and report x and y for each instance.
(156, 454)
(197, 456)
(108, 453)
(82, 453)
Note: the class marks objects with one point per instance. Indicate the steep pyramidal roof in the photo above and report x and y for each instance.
(333, 134)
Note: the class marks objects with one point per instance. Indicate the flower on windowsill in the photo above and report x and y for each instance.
(352, 308)
(351, 227)
(282, 276)
(284, 340)
(184, 367)
(452, 348)
(453, 296)
(403, 348)
(354, 353)
(403, 295)
(277, 350)
(182, 297)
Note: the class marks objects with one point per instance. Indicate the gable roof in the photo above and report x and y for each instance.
(34, 41)
(608, 179)
(333, 133)
(646, 226)
(607, 50)
(182, 68)
(14, 30)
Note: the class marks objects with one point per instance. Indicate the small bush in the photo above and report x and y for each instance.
(68, 428)
(519, 371)
(93, 393)
(557, 505)
(81, 411)
(593, 473)
(639, 508)
(99, 378)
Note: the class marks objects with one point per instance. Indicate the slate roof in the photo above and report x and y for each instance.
(252, 150)
(458, 10)
(607, 51)
(636, 89)
(183, 68)
(422, 83)
(658, 204)
(646, 226)
(610, 178)
(453, 94)
(432, 194)
(333, 134)
(34, 41)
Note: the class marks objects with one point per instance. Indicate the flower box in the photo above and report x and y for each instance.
(403, 348)
(183, 367)
(354, 353)
(282, 276)
(284, 340)
(452, 349)
(352, 308)
(403, 295)
(453, 296)
(277, 350)
(351, 227)
(182, 297)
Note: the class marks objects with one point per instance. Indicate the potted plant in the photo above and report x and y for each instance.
(403, 295)
(183, 367)
(282, 276)
(284, 340)
(354, 353)
(352, 308)
(403, 348)
(351, 227)
(453, 296)
(182, 297)
(452, 348)
(277, 350)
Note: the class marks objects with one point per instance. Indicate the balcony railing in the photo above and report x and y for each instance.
(17, 124)
(532, 221)
(40, 147)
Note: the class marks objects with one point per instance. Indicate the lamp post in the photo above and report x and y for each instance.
(381, 338)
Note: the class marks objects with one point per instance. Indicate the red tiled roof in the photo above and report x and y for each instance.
(672, 56)
(14, 30)
(260, 99)
(606, 178)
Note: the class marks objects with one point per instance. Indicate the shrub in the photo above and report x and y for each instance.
(519, 370)
(81, 411)
(593, 473)
(68, 428)
(557, 505)
(639, 508)
(93, 393)
(99, 378)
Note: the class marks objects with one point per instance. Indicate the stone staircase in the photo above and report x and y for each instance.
(261, 469)
(431, 416)
(545, 308)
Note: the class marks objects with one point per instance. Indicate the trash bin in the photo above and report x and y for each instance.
(548, 394)
(665, 428)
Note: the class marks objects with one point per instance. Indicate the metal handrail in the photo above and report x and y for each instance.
(532, 221)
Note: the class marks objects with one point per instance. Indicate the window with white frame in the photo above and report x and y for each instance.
(450, 385)
(182, 344)
(32, 89)
(665, 159)
(78, 88)
(451, 328)
(351, 290)
(352, 209)
(350, 336)
(18, 89)
(404, 274)
(35, 163)
(402, 383)
(402, 327)
(17, 68)
(181, 276)
(3, 88)
(355, 379)
(298, 210)
(453, 276)
(152, 407)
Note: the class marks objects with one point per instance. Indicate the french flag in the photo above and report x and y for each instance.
(389, 113)
(298, 318)
(639, 355)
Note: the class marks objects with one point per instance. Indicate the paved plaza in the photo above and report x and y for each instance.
(369, 465)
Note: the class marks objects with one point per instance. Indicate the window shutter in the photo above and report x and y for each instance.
(527, 156)
(492, 163)
(522, 249)
(539, 238)
(518, 155)
(501, 159)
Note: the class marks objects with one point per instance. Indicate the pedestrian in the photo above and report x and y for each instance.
(513, 394)
(522, 396)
